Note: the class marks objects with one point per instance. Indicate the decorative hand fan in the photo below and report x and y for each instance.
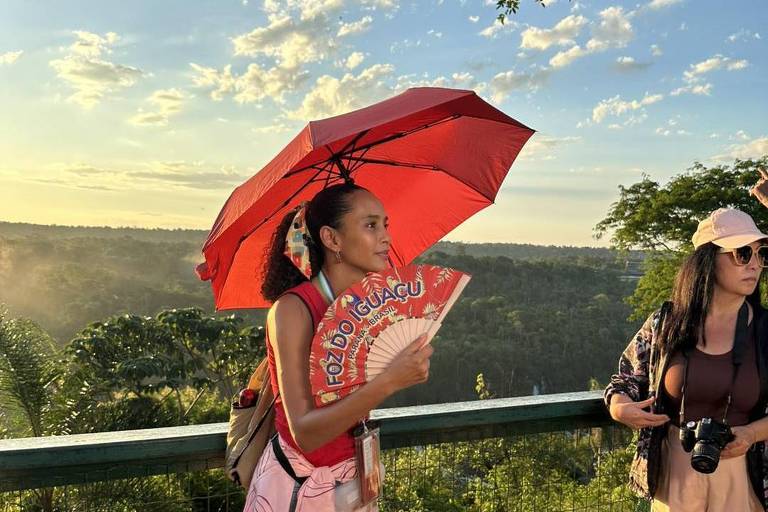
(373, 320)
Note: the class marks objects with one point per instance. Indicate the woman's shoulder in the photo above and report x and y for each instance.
(654, 319)
(288, 307)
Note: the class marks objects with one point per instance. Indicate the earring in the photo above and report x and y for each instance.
(338, 256)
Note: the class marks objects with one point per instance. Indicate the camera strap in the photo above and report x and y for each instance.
(737, 355)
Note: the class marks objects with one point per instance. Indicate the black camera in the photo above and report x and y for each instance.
(706, 438)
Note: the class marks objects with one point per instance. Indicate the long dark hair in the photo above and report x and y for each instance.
(691, 299)
(325, 209)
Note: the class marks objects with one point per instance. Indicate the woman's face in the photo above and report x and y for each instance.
(738, 279)
(363, 237)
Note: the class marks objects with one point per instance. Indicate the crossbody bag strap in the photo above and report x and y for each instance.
(283, 460)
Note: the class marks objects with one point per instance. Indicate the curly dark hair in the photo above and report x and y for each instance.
(325, 209)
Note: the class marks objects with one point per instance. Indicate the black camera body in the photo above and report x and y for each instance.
(706, 438)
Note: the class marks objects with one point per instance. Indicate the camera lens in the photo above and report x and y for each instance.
(705, 457)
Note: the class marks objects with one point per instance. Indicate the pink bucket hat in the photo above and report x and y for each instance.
(729, 228)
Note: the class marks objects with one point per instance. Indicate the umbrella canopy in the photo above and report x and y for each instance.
(433, 156)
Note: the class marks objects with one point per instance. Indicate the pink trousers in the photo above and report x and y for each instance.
(326, 489)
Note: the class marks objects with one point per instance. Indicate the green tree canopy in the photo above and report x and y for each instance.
(651, 216)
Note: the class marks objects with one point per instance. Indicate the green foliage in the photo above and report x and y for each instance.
(572, 470)
(654, 217)
(66, 283)
(27, 375)
(521, 323)
(655, 286)
(157, 369)
(222, 349)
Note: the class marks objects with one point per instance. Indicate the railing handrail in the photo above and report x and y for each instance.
(58, 460)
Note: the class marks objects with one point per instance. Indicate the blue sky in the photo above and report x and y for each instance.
(149, 113)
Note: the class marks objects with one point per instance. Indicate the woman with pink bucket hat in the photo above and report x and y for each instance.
(694, 379)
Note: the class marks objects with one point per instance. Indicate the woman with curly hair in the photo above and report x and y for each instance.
(318, 250)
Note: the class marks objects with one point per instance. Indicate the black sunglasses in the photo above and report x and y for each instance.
(743, 255)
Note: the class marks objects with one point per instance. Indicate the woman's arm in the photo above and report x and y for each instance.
(632, 377)
(290, 326)
(627, 393)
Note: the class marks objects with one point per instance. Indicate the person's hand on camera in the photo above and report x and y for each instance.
(743, 438)
(630, 413)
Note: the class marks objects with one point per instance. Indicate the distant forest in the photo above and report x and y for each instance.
(528, 314)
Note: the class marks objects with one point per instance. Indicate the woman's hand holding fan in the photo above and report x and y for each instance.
(410, 366)
(374, 321)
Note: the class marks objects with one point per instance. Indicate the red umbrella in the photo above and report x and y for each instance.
(433, 156)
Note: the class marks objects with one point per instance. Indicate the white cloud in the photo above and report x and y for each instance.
(660, 4)
(742, 35)
(84, 69)
(355, 27)
(463, 80)
(562, 34)
(613, 31)
(698, 89)
(736, 65)
(567, 57)
(630, 64)
(255, 85)
(331, 96)
(167, 102)
(617, 107)
(717, 62)
(694, 75)
(10, 57)
(291, 42)
(89, 44)
(656, 51)
(391, 5)
(669, 129)
(755, 148)
(504, 83)
(199, 175)
(402, 46)
(544, 147)
(433, 32)
(354, 60)
(275, 128)
(497, 29)
(474, 19)
(304, 9)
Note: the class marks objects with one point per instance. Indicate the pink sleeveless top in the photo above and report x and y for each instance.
(337, 450)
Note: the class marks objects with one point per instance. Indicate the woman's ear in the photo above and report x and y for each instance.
(330, 239)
